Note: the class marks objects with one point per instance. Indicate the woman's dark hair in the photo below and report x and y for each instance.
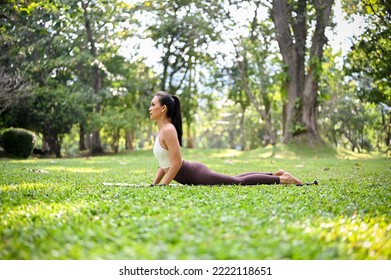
(174, 110)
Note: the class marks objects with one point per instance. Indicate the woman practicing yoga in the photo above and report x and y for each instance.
(166, 111)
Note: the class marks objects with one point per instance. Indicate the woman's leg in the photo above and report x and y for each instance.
(196, 173)
(277, 173)
(261, 178)
(254, 173)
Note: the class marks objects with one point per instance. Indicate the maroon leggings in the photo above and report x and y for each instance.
(195, 173)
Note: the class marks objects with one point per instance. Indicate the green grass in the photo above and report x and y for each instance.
(60, 209)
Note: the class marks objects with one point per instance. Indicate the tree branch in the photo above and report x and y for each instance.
(12, 88)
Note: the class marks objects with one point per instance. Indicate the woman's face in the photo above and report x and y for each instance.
(156, 110)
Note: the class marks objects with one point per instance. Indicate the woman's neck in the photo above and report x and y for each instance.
(162, 122)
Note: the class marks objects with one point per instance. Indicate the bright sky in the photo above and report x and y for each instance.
(341, 38)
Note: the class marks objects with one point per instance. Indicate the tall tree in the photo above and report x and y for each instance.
(14, 84)
(256, 77)
(125, 112)
(369, 61)
(41, 53)
(103, 22)
(66, 43)
(183, 29)
(292, 20)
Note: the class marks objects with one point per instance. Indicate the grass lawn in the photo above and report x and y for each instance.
(60, 208)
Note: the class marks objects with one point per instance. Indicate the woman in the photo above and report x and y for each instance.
(166, 111)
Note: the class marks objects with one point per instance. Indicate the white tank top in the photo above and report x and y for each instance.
(161, 154)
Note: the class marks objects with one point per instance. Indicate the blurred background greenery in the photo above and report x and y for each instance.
(81, 74)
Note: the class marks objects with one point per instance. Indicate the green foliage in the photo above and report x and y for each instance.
(51, 112)
(298, 128)
(345, 120)
(53, 53)
(184, 29)
(18, 141)
(60, 209)
(369, 62)
(47, 45)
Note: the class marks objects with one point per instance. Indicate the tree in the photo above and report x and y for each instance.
(13, 88)
(292, 20)
(345, 120)
(103, 22)
(14, 84)
(51, 111)
(41, 54)
(256, 78)
(96, 73)
(68, 43)
(125, 111)
(352, 123)
(238, 95)
(183, 29)
(369, 61)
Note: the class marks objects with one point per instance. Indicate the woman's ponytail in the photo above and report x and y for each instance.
(177, 117)
(174, 111)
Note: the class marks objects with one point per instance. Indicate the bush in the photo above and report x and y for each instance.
(18, 141)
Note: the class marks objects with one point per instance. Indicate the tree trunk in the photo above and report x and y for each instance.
(388, 134)
(82, 140)
(190, 138)
(96, 145)
(309, 115)
(242, 130)
(311, 85)
(45, 145)
(281, 15)
(129, 140)
(54, 144)
(268, 126)
(300, 110)
(115, 140)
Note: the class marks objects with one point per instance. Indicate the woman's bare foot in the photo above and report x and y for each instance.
(279, 172)
(287, 178)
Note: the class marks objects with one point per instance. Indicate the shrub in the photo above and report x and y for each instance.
(18, 141)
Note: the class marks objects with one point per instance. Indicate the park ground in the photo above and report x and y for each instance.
(103, 208)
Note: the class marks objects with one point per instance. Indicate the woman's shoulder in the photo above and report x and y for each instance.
(168, 132)
(168, 128)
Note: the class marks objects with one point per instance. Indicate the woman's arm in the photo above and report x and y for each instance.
(159, 176)
(170, 138)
